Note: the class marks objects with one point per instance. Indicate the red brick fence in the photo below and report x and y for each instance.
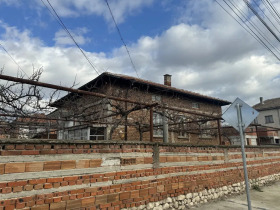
(114, 175)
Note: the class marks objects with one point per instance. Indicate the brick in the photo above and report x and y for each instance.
(52, 165)
(20, 147)
(30, 152)
(105, 206)
(20, 205)
(143, 192)
(82, 164)
(58, 206)
(160, 188)
(56, 185)
(2, 167)
(10, 146)
(152, 191)
(57, 199)
(113, 198)
(47, 186)
(29, 147)
(6, 190)
(56, 179)
(73, 204)
(28, 187)
(41, 207)
(135, 194)
(34, 166)
(14, 168)
(18, 183)
(101, 199)
(68, 164)
(38, 186)
(88, 202)
(17, 189)
(124, 195)
(10, 152)
(95, 163)
(93, 189)
(10, 207)
(37, 181)
(71, 178)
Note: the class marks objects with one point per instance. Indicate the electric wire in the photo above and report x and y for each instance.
(121, 37)
(273, 8)
(59, 20)
(261, 19)
(272, 12)
(266, 16)
(253, 33)
(13, 59)
(254, 26)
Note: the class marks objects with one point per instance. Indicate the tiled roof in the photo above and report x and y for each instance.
(169, 88)
(273, 103)
(135, 80)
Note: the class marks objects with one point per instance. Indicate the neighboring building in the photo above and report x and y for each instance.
(94, 118)
(33, 126)
(231, 135)
(269, 116)
(4, 130)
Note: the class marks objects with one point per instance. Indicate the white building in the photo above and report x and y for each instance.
(269, 115)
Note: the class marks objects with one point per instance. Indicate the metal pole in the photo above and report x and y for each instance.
(151, 124)
(165, 127)
(241, 132)
(219, 132)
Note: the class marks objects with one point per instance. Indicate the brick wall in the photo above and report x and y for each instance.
(114, 175)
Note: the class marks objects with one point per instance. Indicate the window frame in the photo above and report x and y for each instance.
(158, 126)
(268, 119)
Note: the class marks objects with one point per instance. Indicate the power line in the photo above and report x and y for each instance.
(255, 27)
(255, 32)
(121, 37)
(54, 13)
(13, 59)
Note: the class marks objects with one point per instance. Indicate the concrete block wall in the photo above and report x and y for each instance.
(113, 175)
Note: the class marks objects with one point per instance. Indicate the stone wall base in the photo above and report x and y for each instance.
(192, 199)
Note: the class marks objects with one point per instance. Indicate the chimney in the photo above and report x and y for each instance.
(261, 100)
(167, 79)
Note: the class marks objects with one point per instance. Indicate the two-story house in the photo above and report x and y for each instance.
(269, 116)
(187, 116)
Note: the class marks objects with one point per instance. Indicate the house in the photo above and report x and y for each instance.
(131, 105)
(231, 135)
(269, 117)
(32, 126)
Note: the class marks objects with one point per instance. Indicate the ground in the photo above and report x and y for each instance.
(267, 199)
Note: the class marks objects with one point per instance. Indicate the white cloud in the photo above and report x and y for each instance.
(216, 58)
(62, 38)
(120, 8)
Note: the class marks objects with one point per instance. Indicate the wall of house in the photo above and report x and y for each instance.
(112, 175)
(142, 116)
(276, 117)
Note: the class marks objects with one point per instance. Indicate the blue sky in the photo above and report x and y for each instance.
(203, 48)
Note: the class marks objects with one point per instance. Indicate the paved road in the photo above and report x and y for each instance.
(269, 199)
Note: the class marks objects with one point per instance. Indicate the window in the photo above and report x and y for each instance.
(84, 134)
(97, 133)
(157, 120)
(156, 98)
(182, 127)
(195, 105)
(204, 130)
(269, 119)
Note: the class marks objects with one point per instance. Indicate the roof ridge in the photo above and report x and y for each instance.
(165, 86)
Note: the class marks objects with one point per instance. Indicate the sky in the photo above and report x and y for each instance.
(197, 42)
